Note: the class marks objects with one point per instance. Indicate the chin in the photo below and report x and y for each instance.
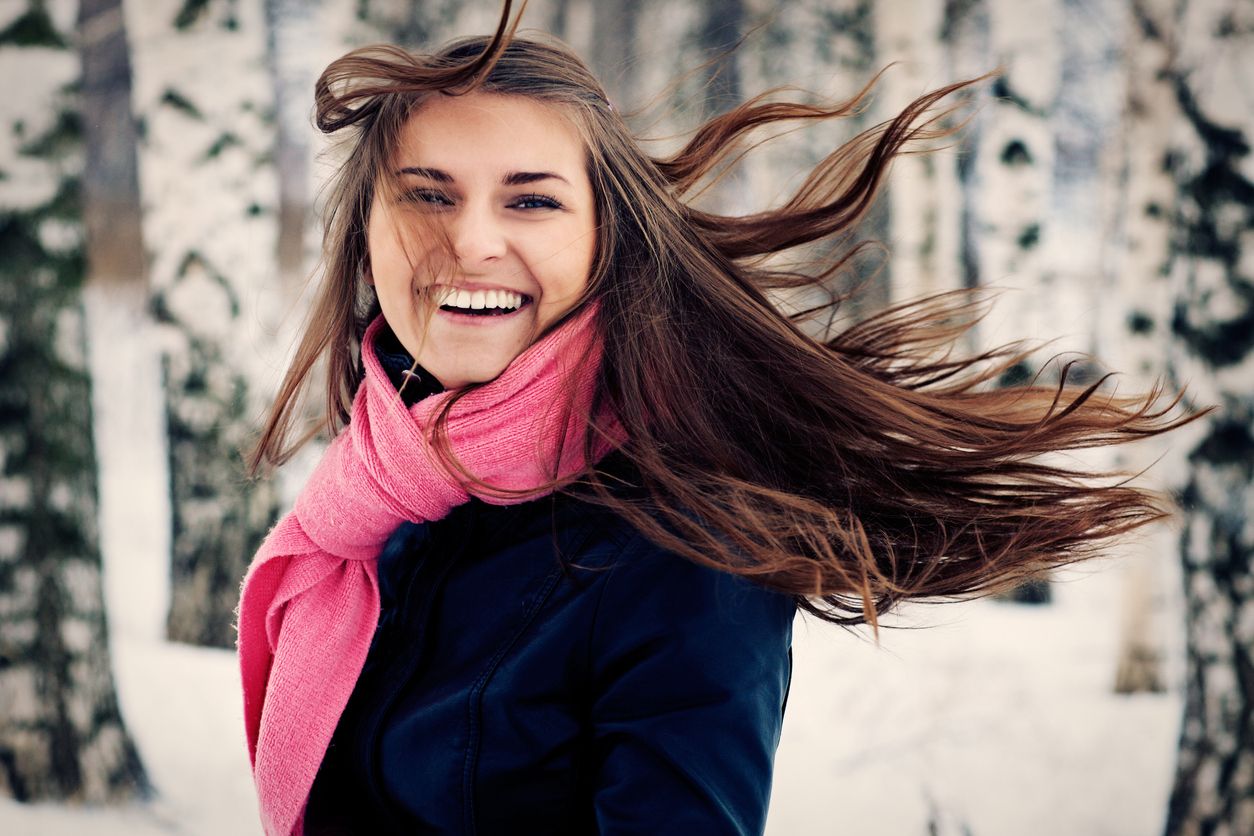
(457, 376)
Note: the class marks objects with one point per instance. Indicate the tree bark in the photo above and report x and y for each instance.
(203, 94)
(1133, 324)
(1016, 168)
(923, 188)
(129, 432)
(289, 29)
(61, 733)
(965, 33)
(1212, 346)
(827, 49)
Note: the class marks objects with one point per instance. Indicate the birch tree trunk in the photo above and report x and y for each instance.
(1212, 326)
(680, 73)
(923, 205)
(210, 193)
(1016, 168)
(1097, 285)
(824, 47)
(415, 26)
(127, 405)
(61, 733)
(1084, 122)
(827, 48)
(1014, 185)
(965, 33)
(1134, 325)
(290, 29)
(612, 44)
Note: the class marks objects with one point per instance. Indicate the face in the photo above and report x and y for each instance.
(504, 178)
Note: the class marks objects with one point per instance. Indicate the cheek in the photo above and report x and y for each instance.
(379, 246)
(396, 255)
(576, 262)
(565, 281)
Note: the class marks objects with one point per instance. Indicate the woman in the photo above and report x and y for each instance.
(543, 579)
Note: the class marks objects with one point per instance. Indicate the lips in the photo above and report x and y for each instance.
(482, 316)
(477, 300)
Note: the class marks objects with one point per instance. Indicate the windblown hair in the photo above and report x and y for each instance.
(853, 470)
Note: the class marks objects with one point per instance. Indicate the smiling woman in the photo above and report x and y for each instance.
(584, 472)
(469, 167)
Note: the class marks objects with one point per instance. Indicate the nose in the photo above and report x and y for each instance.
(478, 237)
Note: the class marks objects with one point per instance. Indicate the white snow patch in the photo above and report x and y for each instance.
(68, 340)
(17, 686)
(76, 635)
(128, 407)
(999, 719)
(185, 713)
(11, 539)
(15, 493)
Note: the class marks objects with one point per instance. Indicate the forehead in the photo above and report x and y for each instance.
(490, 131)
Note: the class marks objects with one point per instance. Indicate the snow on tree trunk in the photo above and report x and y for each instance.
(696, 47)
(1133, 323)
(824, 47)
(965, 33)
(1084, 124)
(1211, 270)
(924, 234)
(422, 27)
(61, 733)
(290, 30)
(127, 405)
(828, 48)
(1015, 167)
(1013, 180)
(210, 192)
(614, 41)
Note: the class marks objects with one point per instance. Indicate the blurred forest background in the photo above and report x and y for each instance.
(159, 183)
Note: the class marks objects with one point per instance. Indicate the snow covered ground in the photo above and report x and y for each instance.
(997, 721)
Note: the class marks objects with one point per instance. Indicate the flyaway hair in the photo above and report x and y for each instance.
(854, 469)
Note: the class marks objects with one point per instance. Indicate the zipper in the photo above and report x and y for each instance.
(582, 536)
(398, 675)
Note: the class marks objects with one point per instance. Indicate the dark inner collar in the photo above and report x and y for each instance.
(397, 363)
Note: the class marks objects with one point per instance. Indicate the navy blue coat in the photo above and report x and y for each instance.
(633, 693)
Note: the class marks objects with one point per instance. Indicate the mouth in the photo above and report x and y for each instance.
(479, 304)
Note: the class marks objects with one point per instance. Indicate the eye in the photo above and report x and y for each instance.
(429, 197)
(536, 201)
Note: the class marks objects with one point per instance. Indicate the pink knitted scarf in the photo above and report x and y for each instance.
(310, 601)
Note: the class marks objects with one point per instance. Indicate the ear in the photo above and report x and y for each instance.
(367, 275)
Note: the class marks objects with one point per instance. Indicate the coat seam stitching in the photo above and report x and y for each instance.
(474, 702)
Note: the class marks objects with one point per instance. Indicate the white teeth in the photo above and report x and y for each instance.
(479, 299)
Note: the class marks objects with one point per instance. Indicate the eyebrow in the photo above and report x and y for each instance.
(512, 178)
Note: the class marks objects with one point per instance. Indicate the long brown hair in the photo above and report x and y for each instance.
(854, 469)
